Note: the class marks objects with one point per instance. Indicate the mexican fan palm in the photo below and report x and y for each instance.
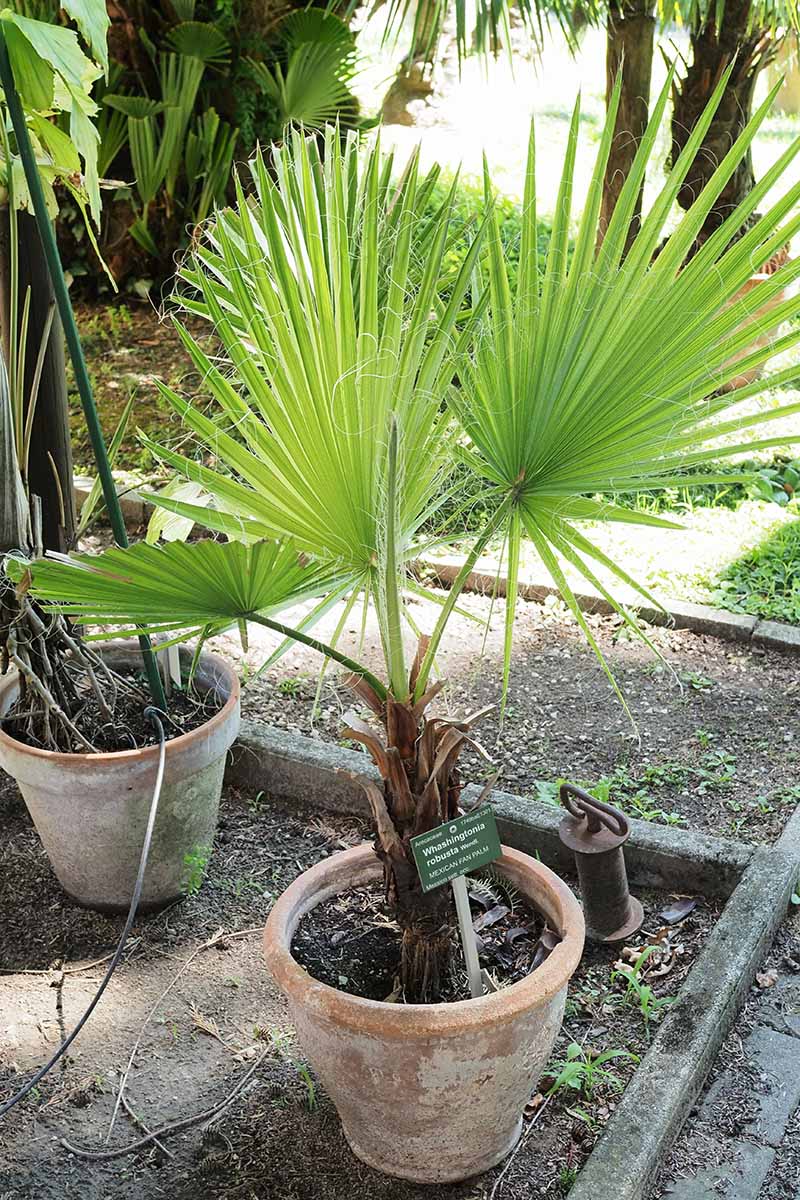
(349, 382)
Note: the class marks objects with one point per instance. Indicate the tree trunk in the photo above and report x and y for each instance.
(421, 789)
(630, 37)
(49, 474)
(713, 50)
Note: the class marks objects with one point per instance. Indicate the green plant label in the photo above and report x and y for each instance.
(456, 847)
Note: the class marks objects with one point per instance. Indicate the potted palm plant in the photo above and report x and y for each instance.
(349, 385)
(72, 731)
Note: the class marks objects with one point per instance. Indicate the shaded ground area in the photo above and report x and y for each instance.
(194, 986)
(127, 349)
(743, 1139)
(715, 744)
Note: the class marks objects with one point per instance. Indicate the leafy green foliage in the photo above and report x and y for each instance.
(308, 83)
(584, 1072)
(778, 483)
(340, 346)
(638, 993)
(205, 592)
(766, 581)
(54, 75)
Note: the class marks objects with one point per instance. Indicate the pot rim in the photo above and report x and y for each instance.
(402, 1021)
(142, 753)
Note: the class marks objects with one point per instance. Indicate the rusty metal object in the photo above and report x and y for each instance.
(596, 833)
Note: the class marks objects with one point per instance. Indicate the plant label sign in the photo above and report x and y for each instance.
(452, 849)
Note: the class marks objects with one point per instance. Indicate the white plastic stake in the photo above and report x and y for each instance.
(459, 886)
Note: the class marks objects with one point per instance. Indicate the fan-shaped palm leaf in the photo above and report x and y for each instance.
(604, 377)
(197, 39)
(309, 84)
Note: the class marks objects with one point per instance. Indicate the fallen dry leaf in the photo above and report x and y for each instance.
(767, 979)
(678, 911)
(491, 917)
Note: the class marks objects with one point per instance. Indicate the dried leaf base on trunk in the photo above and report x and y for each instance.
(416, 758)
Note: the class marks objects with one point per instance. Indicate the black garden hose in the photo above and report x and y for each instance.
(154, 716)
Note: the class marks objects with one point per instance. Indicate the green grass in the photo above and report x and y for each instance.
(766, 581)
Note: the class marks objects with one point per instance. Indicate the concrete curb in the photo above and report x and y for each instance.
(319, 775)
(671, 1076)
(677, 614)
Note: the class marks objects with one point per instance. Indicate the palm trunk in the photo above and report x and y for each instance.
(421, 789)
(750, 48)
(630, 37)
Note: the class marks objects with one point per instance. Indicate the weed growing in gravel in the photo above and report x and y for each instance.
(290, 686)
(696, 681)
(195, 862)
(633, 793)
(584, 1072)
(280, 1042)
(566, 1179)
(639, 994)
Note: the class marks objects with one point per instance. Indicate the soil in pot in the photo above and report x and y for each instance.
(127, 697)
(350, 941)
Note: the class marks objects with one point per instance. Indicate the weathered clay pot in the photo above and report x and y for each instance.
(91, 810)
(429, 1092)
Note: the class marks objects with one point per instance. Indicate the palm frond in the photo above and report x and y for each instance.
(603, 376)
(193, 587)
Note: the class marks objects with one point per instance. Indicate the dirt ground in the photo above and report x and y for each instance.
(194, 985)
(715, 745)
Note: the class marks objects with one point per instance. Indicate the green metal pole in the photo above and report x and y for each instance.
(72, 337)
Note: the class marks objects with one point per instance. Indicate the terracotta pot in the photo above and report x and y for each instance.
(90, 810)
(429, 1092)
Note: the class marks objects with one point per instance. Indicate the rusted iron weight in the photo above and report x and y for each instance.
(596, 833)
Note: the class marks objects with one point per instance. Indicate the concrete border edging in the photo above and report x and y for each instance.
(320, 775)
(676, 614)
(671, 1075)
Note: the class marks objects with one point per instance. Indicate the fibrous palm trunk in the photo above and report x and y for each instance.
(417, 759)
(738, 40)
(630, 37)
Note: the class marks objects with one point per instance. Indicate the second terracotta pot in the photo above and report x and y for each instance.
(428, 1092)
(91, 810)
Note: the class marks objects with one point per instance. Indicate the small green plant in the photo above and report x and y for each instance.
(566, 1179)
(583, 1071)
(257, 804)
(639, 994)
(195, 862)
(290, 686)
(280, 1041)
(696, 681)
